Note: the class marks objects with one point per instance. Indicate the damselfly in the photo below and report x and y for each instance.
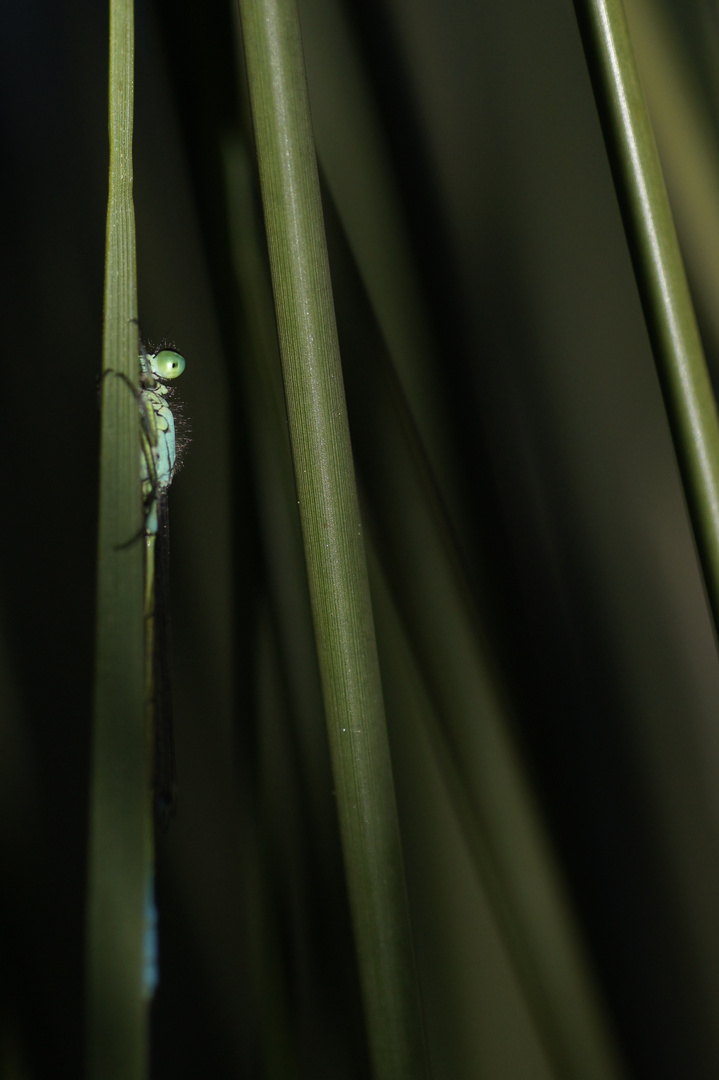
(158, 461)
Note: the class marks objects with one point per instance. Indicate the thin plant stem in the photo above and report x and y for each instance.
(332, 534)
(659, 270)
(119, 803)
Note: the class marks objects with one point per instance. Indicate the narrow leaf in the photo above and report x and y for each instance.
(331, 527)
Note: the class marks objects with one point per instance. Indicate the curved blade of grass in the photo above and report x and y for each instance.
(334, 551)
(687, 146)
(119, 804)
(659, 271)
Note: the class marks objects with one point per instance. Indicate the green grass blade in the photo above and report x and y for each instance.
(119, 836)
(660, 273)
(332, 535)
(688, 149)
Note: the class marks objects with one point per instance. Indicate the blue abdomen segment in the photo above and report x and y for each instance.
(150, 963)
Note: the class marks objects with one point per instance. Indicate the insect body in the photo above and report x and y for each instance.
(159, 443)
(158, 458)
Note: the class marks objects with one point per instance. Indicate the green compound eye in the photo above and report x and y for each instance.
(168, 364)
